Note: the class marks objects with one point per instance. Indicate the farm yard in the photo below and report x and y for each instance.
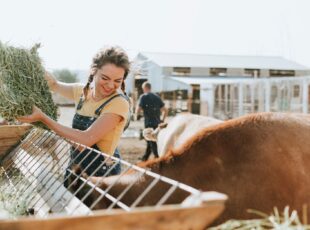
(235, 93)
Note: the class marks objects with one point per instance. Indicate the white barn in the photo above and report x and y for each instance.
(223, 86)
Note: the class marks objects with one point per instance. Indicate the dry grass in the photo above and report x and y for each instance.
(14, 196)
(287, 220)
(22, 83)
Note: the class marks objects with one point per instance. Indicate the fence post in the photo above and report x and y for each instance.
(305, 96)
(240, 99)
(267, 95)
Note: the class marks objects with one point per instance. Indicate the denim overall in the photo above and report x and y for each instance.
(82, 123)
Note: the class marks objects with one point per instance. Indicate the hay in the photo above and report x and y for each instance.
(22, 83)
(281, 221)
(14, 196)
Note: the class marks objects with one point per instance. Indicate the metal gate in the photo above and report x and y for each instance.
(33, 175)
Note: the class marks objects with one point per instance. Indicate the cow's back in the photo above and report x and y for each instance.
(259, 161)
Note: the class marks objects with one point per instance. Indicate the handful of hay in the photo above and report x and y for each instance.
(22, 83)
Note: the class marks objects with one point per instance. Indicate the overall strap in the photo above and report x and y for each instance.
(98, 111)
(80, 104)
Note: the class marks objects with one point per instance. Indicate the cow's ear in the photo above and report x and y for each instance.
(163, 125)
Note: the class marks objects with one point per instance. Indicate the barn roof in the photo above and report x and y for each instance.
(220, 61)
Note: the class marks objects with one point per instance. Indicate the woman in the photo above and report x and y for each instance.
(101, 114)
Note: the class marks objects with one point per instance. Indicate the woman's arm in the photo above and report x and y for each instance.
(103, 125)
(64, 89)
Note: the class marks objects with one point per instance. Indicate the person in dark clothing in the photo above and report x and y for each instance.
(153, 107)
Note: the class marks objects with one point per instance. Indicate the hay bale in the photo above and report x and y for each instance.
(22, 83)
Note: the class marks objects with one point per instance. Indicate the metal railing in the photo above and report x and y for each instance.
(35, 172)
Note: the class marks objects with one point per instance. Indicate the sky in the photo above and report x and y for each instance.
(72, 31)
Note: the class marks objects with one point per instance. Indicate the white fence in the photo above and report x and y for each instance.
(242, 96)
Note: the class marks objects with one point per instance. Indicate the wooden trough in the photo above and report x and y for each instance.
(41, 157)
(10, 136)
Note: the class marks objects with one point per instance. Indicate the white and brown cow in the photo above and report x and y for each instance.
(260, 161)
(179, 129)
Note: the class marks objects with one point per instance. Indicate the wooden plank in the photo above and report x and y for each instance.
(10, 135)
(8, 141)
(166, 217)
(4, 148)
(7, 131)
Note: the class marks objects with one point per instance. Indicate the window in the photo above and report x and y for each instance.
(281, 73)
(181, 70)
(218, 71)
(251, 72)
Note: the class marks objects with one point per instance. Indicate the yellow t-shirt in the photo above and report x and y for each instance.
(118, 105)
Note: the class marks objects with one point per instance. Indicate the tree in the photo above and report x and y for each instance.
(65, 75)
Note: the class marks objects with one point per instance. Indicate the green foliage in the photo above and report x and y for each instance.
(65, 75)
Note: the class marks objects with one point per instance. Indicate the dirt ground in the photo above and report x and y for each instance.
(131, 148)
(131, 145)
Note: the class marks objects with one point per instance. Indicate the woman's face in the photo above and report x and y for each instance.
(108, 79)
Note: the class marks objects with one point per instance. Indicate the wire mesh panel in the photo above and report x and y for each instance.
(35, 179)
(34, 169)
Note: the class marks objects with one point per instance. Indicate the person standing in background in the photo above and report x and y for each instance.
(153, 108)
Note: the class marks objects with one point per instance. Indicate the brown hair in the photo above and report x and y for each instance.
(112, 55)
(146, 84)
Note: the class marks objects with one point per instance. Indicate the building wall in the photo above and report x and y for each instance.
(171, 85)
(234, 72)
(155, 76)
(206, 100)
(302, 73)
(200, 71)
(129, 83)
(264, 72)
(167, 71)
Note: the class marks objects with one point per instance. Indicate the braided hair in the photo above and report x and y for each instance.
(109, 55)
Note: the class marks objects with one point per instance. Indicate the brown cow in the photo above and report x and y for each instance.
(260, 161)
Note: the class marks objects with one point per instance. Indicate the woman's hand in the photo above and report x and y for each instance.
(37, 115)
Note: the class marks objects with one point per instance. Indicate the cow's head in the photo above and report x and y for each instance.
(150, 134)
(87, 191)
